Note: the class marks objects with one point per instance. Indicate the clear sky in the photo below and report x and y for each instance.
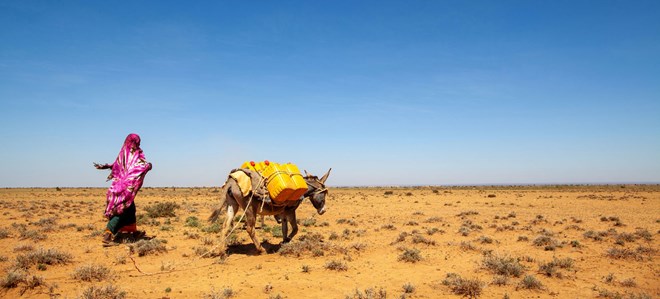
(384, 92)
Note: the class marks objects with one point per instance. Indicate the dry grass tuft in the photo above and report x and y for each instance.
(530, 282)
(91, 272)
(503, 265)
(145, 247)
(369, 293)
(410, 255)
(308, 243)
(336, 265)
(105, 292)
(470, 288)
(162, 209)
(41, 256)
(13, 279)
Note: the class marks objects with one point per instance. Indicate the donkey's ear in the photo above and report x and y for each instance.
(306, 174)
(325, 176)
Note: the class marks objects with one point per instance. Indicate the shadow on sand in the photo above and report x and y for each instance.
(249, 249)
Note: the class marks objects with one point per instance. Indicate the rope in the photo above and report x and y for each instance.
(130, 254)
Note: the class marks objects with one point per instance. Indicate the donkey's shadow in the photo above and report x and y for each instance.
(249, 249)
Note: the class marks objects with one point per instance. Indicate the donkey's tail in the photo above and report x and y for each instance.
(221, 206)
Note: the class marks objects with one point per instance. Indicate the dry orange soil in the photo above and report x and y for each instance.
(431, 242)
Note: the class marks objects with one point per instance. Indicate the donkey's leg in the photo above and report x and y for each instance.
(232, 208)
(251, 221)
(285, 227)
(291, 218)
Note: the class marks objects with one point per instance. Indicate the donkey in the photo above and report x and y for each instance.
(259, 204)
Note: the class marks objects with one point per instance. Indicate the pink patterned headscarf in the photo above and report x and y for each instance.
(127, 175)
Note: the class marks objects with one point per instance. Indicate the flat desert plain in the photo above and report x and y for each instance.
(423, 242)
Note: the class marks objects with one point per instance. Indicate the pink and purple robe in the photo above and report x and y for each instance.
(127, 176)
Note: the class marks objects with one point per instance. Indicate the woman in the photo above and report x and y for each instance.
(127, 176)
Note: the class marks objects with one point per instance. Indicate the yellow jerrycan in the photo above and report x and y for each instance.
(280, 186)
(299, 184)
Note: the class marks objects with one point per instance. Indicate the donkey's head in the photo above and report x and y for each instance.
(316, 190)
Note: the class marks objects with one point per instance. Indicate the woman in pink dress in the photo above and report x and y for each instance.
(127, 174)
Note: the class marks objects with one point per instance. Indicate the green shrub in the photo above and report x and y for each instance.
(192, 221)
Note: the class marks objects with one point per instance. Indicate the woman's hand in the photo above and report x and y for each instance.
(101, 166)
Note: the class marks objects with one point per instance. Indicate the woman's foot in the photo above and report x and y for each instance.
(108, 239)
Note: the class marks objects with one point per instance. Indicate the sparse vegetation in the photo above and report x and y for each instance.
(192, 221)
(92, 272)
(105, 292)
(503, 265)
(336, 265)
(42, 256)
(470, 288)
(410, 255)
(530, 282)
(146, 247)
(4, 233)
(162, 209)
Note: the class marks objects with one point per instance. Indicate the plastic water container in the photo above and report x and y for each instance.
(261, 166)
(299, 184)
(249, 165)
(280, 186)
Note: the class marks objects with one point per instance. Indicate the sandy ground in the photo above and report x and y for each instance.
(375, 243)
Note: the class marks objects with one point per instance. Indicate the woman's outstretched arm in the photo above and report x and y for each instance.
(102, 166)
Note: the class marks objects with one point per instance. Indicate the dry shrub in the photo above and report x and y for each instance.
(470, 288)
(639, 254)
(224, 294)
(503, 265)
(162, 209)
(145, 247)
(336, 265)
(408, 288)
(13, 279)
(410, 255)
(106, 292)
(91, 272)
(388, 226)
(33, 235)
(23, 247)
(548, 242)
(4, 233)
(485, 240)
(467, 213)
(500, 280)
(420, 239)
(308, 222)
(41, 256)
(33, 282)
(369, 293)
(46, 222)
(307, 243)
(629, 283)
(644, 234)
(433, 219)
(530, 282)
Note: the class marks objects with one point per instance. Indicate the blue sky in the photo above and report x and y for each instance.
(384, 92)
